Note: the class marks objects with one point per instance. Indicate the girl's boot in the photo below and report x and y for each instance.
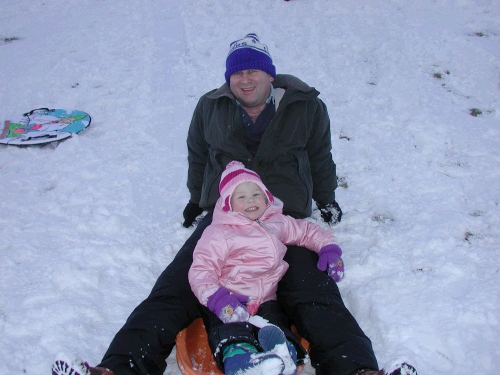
(244, 359)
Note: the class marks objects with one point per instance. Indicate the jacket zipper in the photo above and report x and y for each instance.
(270, 234)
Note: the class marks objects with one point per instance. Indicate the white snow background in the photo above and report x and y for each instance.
(87, 226)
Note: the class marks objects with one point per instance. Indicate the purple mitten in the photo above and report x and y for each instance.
(228, 307)
(330, 257)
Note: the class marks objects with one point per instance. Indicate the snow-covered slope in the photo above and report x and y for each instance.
(86, 226)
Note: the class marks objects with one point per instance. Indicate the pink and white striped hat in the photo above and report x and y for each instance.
(235, 174)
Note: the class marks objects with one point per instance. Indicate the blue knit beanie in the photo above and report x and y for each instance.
(249, 53)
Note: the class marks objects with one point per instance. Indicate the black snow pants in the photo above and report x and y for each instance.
(311, 299)
(308, 296)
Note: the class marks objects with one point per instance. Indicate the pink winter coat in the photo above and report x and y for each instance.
(246, 256)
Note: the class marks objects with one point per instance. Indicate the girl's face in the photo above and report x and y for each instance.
(249, 200)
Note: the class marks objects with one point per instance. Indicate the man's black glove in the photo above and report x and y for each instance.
(330, 213)
(190, 213)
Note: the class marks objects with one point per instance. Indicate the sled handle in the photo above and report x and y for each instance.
(30, 137)
(38, 109)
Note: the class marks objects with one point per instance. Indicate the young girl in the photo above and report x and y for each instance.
(237, 265)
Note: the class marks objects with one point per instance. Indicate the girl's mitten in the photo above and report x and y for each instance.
(330, 258)
(228, 307)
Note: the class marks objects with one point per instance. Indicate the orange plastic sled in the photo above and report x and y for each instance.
(194, 356)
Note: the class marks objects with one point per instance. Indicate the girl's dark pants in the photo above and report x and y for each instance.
(221, 335)
(310, 299)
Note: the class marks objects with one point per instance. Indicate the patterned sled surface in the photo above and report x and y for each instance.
(43, 125)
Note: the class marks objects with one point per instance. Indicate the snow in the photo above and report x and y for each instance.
(86, 226)
(262, 364)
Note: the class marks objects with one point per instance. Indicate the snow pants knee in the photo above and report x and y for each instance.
(142, 345)
(312, 300)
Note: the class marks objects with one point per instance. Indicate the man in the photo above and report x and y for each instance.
(288, 147)
(277, 126)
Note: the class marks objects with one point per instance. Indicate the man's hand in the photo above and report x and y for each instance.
(330, 213)
(191, 212)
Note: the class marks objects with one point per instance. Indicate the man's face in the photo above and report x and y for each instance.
(251, 87)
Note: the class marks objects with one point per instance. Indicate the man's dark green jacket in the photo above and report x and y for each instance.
(293, 159)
